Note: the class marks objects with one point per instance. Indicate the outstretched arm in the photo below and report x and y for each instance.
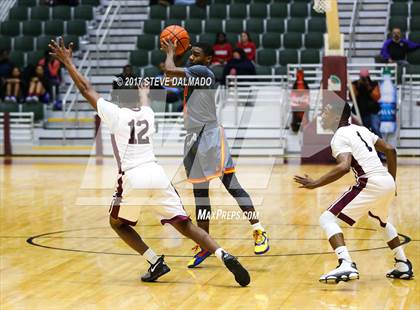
(391, 156)
(64, 55)
(342, 168)
(171, 70)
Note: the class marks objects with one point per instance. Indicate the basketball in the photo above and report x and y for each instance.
(179, 34)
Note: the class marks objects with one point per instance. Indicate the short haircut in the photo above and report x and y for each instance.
(207, 48)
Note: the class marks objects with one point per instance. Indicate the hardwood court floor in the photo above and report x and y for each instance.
(76, 261)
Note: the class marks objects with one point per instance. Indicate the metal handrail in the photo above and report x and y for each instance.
(5, 7)
(87, 58)
(352, 28)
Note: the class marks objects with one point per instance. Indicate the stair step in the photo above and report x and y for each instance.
(106, 62)
(366, 53)
(121, 31)
(361, 60)
(126, 17)
(129, 2)
(364, 45)
(369, 37)
(106, 55)
(409, 143)
(372, 22)
(105, 71)
(130, 23)
(115, 39)
(111, 47)
(373, 14)
(407, 151)
(374, 7)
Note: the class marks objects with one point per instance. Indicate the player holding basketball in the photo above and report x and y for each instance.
(132, 128)
(206, 152)
(355, 147)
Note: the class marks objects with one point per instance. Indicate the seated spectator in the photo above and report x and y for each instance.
(126, 73)
(396, 48)
(6, 66)
(238, 65)
(13, 86)
(247, 45)
(222, 50)
(39, 86)
(52, 68)
(120, 80)
(367, 94)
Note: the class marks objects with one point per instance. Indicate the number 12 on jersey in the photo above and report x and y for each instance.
(141, 139)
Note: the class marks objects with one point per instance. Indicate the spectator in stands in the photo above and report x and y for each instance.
(120, 80)
(367, 93)
(173, 94)
(238, 65)
(13, 86)
(52, 68)
(222, 50)
(39, 86)
(299, 101)
(247, 45)
(5, 66)
(396, 48)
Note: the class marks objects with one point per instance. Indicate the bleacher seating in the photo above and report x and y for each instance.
(283, 31)
(31, 26)
(29, 29)
(406, 16)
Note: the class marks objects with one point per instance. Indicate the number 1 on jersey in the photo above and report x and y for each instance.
(140, 136)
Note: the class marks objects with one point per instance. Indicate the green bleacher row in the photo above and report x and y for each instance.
(222, 11)
(406, 16)
(31, 3)
(255, 1)
(36, 107)
(283, 32)
(31, 26)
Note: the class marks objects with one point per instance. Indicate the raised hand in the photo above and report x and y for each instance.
(60, 52)
(168, 46)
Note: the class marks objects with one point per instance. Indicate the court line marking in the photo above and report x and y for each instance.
(31, 241)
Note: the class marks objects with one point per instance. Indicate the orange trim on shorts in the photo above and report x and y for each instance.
(218, 172)
(229, 170)
(184, 103)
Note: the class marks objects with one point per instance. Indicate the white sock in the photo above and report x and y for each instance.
(219, 253)
(258, 226)
(343, 253)
(150, 256)
(399, 253)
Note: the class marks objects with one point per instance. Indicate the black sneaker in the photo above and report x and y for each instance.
(234, 266)
(405, 275)
(156, 270)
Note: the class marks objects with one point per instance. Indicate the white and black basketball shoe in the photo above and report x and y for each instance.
(403, 270)
(345, 271)
(234, 266)
(156, 270)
